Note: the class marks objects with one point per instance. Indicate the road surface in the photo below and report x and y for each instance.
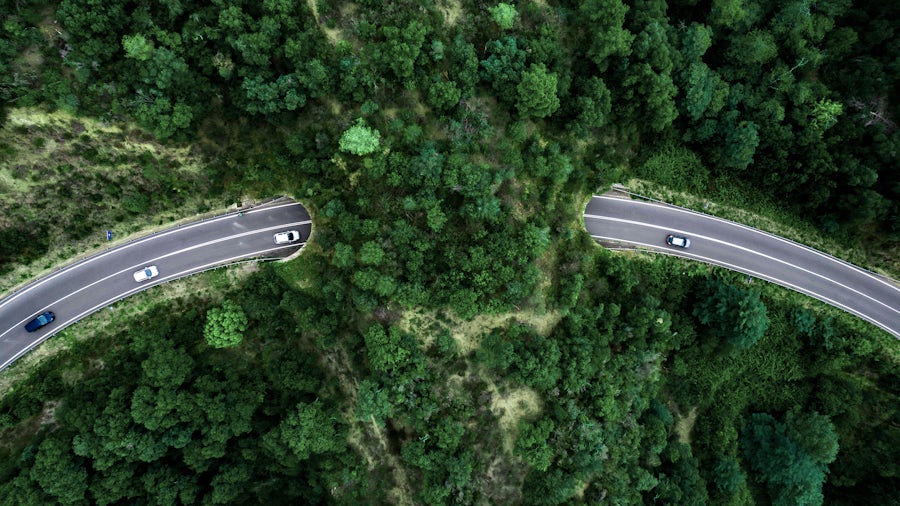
(750, 251)
(91, 284)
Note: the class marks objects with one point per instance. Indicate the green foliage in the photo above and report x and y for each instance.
(225, 325)
(788, 457)
(595, 104)
(532, 443)
(529, 358)
(504, 68)
(59, 473)
(754, 48)
(824, 114)
(402, 46)
(459, 204)
(737, 315)
(609, 38)
(360, 139)
(388, 350)
(504, 15)
(372, 403)
(308, 431)
(137, 47)
(702, 85)
(162, 117)
(696, 39)
(371, 254)
(741, 141)
(284, 94)
(728, 475)
(537, 92)
(677, 167)
(443, 94)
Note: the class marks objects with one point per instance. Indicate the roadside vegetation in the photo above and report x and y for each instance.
(65, 181)
(450, 334)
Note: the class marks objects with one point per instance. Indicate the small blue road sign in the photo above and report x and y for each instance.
(109, 235)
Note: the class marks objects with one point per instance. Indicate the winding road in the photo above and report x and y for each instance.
(83, 288)
(747, 250)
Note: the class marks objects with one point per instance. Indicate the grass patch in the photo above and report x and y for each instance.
(516, 405)
(685, 424)
(452, 10)
(428, 324)
(80, 177)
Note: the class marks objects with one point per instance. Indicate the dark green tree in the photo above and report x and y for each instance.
(504, 67)
(736, 315)
(59, 473)
(780, 455)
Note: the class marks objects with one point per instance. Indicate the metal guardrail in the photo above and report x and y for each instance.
(107, 247)
(621, 188)
(122, 297)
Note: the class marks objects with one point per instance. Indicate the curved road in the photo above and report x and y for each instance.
(750, 251)
(87, 286)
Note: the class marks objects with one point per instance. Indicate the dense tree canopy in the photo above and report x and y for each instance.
(450, 334)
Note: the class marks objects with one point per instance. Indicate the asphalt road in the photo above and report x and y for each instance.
(750, 251)
(91, 284)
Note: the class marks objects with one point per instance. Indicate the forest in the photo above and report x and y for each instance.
(450, 334)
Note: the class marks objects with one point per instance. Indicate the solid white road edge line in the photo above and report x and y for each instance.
(756, 230)
(128, 269)
(657, 249)
(748, 250)
(122, 296)
(126, 246)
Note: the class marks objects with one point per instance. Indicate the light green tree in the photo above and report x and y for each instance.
(532, 443)
(310, 430)
(371, 253)
(504, 15)
(537, 92)
(360, 139)
(373, 403)
(137, 47)
(386, 349)
(225, 325)
(824, 114)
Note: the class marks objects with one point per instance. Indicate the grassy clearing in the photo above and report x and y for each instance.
(452, 10)
(513, 403)
(332, 33)
(518, 404)
(684, 424)
(66, 180)
(427, 324)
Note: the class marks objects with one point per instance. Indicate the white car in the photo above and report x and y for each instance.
(678, 241)
(146, 273)
(287, 237)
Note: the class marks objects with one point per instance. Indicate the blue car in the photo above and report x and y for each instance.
(39, 321)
